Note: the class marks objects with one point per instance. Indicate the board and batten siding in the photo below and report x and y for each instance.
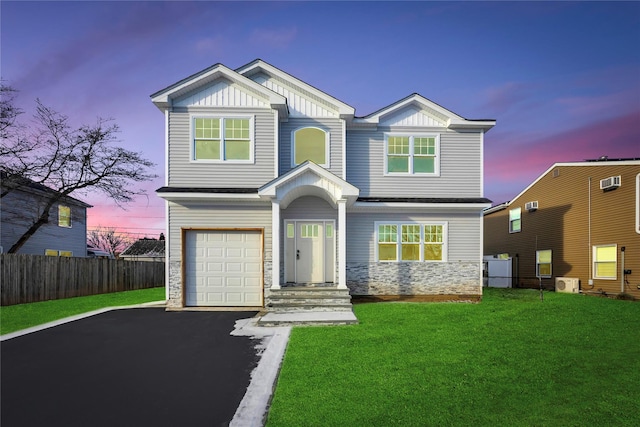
(216, 215)
(333, 126)
(460, 166)
(183, 172)
(463, 233)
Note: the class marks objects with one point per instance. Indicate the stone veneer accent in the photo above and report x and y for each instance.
(414, 278)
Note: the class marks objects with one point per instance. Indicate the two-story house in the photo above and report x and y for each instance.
(576, 228)
(64, 235)
(273, 184)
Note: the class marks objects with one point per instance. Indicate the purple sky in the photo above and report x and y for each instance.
(562, 79)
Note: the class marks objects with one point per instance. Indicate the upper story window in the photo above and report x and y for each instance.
(223, 139)
(515, 224)
(64, 216)
(411, 242)
(310, 144)
(412, 154)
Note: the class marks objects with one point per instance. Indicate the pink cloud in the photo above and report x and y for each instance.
(510, 165)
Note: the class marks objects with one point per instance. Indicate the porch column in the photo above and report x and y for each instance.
(342, 244)
(275, 244)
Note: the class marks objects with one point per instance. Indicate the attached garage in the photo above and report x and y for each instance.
(223, 268)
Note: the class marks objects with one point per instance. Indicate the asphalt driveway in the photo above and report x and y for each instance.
(135, 367)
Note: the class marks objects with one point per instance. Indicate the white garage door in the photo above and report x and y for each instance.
(223, 268)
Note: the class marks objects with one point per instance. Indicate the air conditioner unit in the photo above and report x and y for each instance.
(567, 284)
(610, 183)
(531, 206)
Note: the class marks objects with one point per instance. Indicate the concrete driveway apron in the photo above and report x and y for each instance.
(135, 367)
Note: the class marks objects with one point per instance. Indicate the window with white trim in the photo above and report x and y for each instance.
(543, 263)
(411, 242)
(55, 252)
(64, 216)
(605, 261)
(515, 224)
(412, 154)
(222, 139)
(310, 143)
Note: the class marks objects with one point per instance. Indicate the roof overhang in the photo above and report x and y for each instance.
(451, 119)
(344, 110)
(163, 99)
(309, 179)
(191, 194)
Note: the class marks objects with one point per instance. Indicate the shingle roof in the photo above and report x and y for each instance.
(145, 247)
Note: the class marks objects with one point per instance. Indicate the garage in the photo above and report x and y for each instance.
(223, 268)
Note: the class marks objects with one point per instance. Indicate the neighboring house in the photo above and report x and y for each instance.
(145, 249)
(576, 226)
(272, 183)
(64, 235)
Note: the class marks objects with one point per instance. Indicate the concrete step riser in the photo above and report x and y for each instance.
(318, 301)
(301, 309)
(310, 294)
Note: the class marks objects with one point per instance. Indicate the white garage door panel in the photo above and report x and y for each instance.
(224, 268)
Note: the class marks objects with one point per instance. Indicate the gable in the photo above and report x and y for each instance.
(414, 116)
(303, 99)
(221, 93)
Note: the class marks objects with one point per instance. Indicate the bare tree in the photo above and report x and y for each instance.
(67, 160)
(109, 240)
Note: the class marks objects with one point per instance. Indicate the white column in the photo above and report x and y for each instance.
(342, 244)
(275, 244)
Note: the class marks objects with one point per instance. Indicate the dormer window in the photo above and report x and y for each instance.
(412, 154)
(223, 139)
(310, 143)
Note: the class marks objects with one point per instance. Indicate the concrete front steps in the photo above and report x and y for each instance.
(308, 305)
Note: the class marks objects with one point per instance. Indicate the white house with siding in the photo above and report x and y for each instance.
(276, 192)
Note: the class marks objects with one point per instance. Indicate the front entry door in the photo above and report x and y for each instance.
(310, 251)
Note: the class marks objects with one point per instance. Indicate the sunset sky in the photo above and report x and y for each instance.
(562, 79)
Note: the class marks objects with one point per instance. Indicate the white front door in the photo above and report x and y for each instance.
(310, 251)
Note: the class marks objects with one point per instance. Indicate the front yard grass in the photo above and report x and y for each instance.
(513, 360)
(21, 316)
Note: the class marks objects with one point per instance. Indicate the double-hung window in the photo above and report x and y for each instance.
(411, 242)
(412, 154)
(515, 224)
(64, 216)
(605, 261)
(223, 139)
(543, 263)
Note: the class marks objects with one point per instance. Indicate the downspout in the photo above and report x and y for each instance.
(622, 270)
(589, 248)
(167, 247)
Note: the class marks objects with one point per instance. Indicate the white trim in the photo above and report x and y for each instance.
(399, 224)
(217, 196)
(412, 136)
(593, 248)
(167, 252)
(344, 148)
(327, 145)
(166, 149)
(287, 260)
(275, 244)
(520, 219)
(222, 117)
(342, 244)
(482, 164)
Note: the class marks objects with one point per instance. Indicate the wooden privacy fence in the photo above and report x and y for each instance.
(32, 278)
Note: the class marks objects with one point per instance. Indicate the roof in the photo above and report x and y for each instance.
(145, 248)
(28, 185)
(602, 161)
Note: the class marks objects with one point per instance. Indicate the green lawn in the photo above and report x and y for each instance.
(21, 316)
(510, 360)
